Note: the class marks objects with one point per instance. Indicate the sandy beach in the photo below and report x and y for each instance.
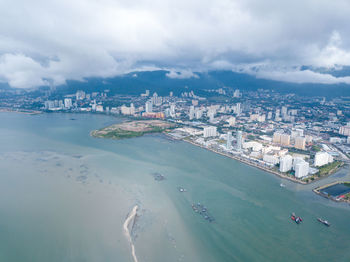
(130, 218)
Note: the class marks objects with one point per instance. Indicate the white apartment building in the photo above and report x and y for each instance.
(322, 158)
(68, 103)
(286, 163)
(209, 131)
(301, 169)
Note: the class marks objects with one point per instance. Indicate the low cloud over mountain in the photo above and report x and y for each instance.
(49, 42)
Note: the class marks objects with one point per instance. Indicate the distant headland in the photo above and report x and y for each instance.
(131, 129)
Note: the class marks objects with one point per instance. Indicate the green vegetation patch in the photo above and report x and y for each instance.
(329, 168)
(131, 129)
(316, 148)
(119, 133)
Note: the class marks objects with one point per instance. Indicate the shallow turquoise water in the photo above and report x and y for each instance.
(65, 195)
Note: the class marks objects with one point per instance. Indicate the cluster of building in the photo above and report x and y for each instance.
(296, 135)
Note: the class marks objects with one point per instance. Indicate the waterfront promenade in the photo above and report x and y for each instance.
(248, 162)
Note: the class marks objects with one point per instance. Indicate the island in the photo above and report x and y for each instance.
(131, 129)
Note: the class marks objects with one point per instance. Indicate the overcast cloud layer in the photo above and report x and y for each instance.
(47, 42)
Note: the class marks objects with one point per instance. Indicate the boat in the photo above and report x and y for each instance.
(181, 189)
(296, 219)
(325, 222)
(203, 211)
(282, 185)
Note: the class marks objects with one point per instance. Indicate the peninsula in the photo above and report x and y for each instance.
(131, 129)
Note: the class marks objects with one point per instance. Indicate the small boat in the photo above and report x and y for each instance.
(195, 209)
(296, 219)
(181, 189)
(282, 185)
(203, 211)
(325, 222)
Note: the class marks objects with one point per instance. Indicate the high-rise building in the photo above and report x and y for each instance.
(322, 158)
(239, 138)
(156, 100)
(238, 109)
(284, 111)
(297, 160)
(301, 169)
(148, 107)
(191, 113)
(269, 115)
(229, 141)
(277, 137)
(172, 110)
(277, 115)
(285, 139)
(345, 130)
(68, 103)
(209, 131)
(300, 143)
(132, 109)
(286, 163)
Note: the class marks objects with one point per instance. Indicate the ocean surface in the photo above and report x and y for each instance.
(64, 196)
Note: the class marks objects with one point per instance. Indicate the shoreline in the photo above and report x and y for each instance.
(249, 163)
(126, 224)
(27, 112)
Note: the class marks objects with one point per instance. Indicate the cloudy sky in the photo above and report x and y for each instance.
(46, 42)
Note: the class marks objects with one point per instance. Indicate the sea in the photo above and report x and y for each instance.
(64, 196)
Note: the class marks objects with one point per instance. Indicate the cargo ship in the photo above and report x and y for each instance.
(325, 222)
(296, 219)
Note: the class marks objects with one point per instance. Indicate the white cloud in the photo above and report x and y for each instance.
(183, 74)
(51, 41)
(333, 53)
(304, 76)
(21, 71)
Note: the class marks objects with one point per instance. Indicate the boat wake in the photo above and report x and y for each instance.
(127, 222)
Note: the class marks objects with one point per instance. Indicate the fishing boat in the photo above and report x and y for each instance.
(296, 219)
(325, 222)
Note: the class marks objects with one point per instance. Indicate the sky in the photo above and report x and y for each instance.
(46, 42)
